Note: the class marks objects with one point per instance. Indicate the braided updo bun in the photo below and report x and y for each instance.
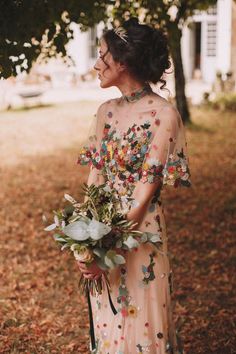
(143, 50)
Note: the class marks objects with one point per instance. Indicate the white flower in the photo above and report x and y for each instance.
(117, 135)
(77, 230)
(153, 162)
(124, 199)
(107, 188)
(185, 177)
(97, 229)
(134, 203)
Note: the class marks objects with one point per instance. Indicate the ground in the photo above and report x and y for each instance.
(41, 309)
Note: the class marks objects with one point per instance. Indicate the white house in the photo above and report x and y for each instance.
(208, 43)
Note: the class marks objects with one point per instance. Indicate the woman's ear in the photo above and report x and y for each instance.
(121, 67)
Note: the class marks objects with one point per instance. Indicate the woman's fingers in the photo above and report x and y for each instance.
(97, 276)
(92, 276)
(82, 265)
(91, 271)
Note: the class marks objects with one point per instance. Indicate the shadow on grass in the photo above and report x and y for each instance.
(199, 128)
(28, 108)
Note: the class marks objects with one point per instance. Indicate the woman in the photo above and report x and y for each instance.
(141, 133)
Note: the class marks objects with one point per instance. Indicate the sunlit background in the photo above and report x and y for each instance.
(45, 116)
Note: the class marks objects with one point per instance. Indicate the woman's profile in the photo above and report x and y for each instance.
(140, 133)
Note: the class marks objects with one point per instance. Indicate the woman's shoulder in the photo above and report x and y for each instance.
(165, 109)
(161, 103)
(108, 104)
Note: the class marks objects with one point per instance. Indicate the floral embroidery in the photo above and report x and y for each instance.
(176, 172)
(123, 298)
(139, 349)
(148, 271)
(144, 347)
(132, 311)
(160, 335)
(155, 200)
(126, 156)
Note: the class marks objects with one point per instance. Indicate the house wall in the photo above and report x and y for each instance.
(224, 24)
(79, 48)
(233, 40)
(224, 58)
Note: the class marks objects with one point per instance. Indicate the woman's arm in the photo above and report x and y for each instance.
(142, 195)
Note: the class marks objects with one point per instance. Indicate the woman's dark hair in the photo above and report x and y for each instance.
(144, 51)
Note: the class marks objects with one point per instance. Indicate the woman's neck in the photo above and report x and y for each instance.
(129, 85)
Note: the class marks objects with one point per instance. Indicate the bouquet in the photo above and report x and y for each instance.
(97, 230)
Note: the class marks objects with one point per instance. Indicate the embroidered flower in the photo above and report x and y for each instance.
(132, 311)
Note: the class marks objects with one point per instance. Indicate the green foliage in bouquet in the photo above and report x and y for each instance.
(97, 230)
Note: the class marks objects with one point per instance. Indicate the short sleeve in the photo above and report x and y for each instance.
(166, 158)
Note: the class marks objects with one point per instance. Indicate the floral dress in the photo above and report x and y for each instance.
(136, 144)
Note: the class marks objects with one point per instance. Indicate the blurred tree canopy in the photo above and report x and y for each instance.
(33, 28)
(29, 28)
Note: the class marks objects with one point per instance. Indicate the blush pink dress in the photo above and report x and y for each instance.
(138, 143)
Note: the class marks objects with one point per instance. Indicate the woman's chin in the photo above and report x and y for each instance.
(104, 84)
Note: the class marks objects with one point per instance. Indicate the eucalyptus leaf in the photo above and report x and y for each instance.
(111, 254)
(58, 238)
(119, 259)
(77, 230)
(144, 238)
(99, 252)
(101, 263)
(119, 244)
(131, 242)
(155, 238)
(50, 227)
(109, 262)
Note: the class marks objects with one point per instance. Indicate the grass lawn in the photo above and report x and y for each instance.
(41, 310)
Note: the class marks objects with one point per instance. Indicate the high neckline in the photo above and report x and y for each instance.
(136, 95)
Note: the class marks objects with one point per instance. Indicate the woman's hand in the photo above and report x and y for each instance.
(91, 271)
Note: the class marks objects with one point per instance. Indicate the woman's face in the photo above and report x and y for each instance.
(109, 71)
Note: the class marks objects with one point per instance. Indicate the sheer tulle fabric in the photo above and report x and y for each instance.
(136, 144)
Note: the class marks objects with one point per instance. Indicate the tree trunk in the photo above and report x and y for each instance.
(175, 35)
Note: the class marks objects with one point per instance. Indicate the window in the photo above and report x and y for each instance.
(212, 10)
(211, 39)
